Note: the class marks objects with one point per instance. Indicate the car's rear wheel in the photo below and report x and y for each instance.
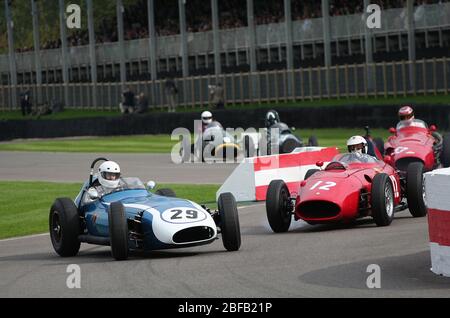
(313, 142)
(229, 222)
(64, 226)
(310, 172)
(445, 154)
(249, 147)
(166, 193)
(382, 200)
(118, 231)
(415, 190)
(379, 143)
(278, 206)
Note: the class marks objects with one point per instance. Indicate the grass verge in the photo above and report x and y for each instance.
(24, 206)
(162, 143)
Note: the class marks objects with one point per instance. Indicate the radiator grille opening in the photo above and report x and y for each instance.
(318, 209)
(193, 234)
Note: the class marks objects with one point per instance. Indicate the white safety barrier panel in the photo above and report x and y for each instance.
(250, 180)
(437, 185)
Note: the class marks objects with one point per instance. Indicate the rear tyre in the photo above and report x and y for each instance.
(278, 206)
(310, 172)
(379, 143)
(118, 231)
(445, 154)
(166, 193)
(249, 147)
(382, 200)
(415, 190)
(313, 142)
(229, 222)
(64, 227)
(289, 145)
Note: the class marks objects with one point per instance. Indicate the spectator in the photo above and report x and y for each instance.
(128, 102)
(142, 104)
(216, 96)
(171, 94)
(25, 102)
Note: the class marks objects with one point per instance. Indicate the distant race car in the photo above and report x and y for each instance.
(134, 219)
(286, 141)
(412, 141)
(352, 186)
(216, 143)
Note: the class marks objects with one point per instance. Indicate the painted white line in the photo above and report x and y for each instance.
(24, 237)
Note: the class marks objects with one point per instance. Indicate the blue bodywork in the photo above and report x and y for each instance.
(96, 214)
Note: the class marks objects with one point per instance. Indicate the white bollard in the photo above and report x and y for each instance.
(437, 192)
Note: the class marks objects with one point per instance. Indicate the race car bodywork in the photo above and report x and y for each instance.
(132, 218)
(215, 143)
(413, 141)
(352, 186)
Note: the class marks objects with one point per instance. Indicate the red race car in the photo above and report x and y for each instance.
(352, 186)
(412, 141)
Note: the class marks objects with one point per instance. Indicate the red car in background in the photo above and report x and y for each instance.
(412, 141)
(352, 186)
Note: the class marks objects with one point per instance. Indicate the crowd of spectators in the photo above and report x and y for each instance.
(232, 13)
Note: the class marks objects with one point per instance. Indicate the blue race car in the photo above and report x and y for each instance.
(134, 219)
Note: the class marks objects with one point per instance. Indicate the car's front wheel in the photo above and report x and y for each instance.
(118, 231)
(415, 190)
(64, 226)
(278, 206)
(382, 200)
(229, 222)
(166, 193)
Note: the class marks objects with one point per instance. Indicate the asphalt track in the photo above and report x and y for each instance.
(74, 167)
(308, 261)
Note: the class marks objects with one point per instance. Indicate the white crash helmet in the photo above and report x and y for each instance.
(109, 174)
(354, 141)
(207, 117)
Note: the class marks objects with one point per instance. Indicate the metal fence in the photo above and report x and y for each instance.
(403, 78)
(267, 35)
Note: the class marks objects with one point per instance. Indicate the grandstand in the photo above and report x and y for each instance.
(246, 43)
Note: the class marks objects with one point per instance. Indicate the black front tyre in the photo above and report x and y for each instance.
(415, 190)
(166, 193)
(118, 231)
(64, 226)
(382, 200)
(445, 154)
(278, 206)
(229, 222)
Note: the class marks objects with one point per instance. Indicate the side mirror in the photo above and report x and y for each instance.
(151, 185)
(319, 164)
(433, 128)
(392, 130)
(93, 194)
(387, 158)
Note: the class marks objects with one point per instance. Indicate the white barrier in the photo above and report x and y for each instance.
(437, 185)
(250, 180)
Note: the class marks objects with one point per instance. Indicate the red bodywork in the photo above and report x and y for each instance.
(337, 195)
(410, 144)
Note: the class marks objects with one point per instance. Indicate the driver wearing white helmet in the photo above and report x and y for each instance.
(108, 178)
(357, 144)
(207, 118)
